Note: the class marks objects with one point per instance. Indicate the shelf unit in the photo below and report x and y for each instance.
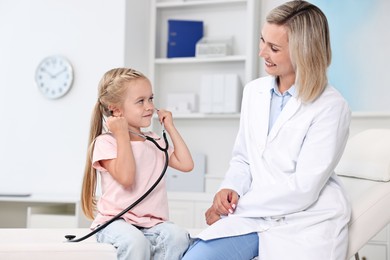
(42, 211)
(236, 18)
(231, 58)
(210, 134)
(187, 209)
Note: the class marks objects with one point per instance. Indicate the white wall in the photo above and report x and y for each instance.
(43, 142)
(137, 35)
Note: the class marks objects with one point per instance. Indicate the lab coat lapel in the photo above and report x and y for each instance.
(259, 115)
(289, 110)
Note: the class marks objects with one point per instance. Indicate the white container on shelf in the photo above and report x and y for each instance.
(214, 47)
(220, 94)
(182, 103)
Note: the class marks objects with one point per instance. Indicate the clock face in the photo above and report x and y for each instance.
(54, 76)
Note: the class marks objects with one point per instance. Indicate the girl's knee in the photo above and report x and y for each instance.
(134, 240)
(170, 239)
(129, 241)
(133, 247)
(175, 234)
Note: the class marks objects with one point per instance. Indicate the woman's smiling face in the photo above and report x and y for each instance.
(274, 49)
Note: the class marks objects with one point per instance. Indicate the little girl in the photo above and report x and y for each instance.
(128, 165)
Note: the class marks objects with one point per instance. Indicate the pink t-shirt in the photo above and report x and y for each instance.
(115, 198)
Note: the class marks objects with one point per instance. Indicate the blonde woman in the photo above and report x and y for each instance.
(128, 166)
(280, 198)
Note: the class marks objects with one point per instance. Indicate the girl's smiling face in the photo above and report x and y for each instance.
(138, 107)
(274, 49)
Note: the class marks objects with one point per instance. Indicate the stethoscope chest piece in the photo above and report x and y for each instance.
(70, 237)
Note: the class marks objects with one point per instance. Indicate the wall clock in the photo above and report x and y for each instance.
(54, 76)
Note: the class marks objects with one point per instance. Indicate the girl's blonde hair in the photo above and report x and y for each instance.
(309, 45)
(112, 89)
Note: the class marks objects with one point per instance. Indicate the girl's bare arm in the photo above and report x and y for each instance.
(122, 168)
(181, 158)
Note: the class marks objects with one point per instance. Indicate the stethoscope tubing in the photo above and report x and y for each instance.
(72, 238)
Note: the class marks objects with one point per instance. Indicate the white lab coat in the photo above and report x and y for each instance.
(288, 190)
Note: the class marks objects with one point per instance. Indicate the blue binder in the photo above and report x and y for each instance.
(182, 37)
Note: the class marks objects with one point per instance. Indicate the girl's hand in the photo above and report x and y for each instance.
(211, 216)
(117, 125)
(122, 168)
(181, 158)
(165, 117)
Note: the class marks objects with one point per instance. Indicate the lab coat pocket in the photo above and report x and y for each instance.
(284, 149)
(291, 138)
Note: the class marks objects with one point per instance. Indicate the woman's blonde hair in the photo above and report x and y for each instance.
(309, 45)
(111, 92)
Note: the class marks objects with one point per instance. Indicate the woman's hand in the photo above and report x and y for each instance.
(225, 201)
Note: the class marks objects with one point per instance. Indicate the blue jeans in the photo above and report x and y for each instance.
(165, 241)
(244, 247)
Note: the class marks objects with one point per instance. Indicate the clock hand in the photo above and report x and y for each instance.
(60, 72)
(47, 72)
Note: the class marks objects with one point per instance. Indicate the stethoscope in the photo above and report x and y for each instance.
(72, 238)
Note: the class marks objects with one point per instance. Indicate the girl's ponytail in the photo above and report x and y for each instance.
(88, 193)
